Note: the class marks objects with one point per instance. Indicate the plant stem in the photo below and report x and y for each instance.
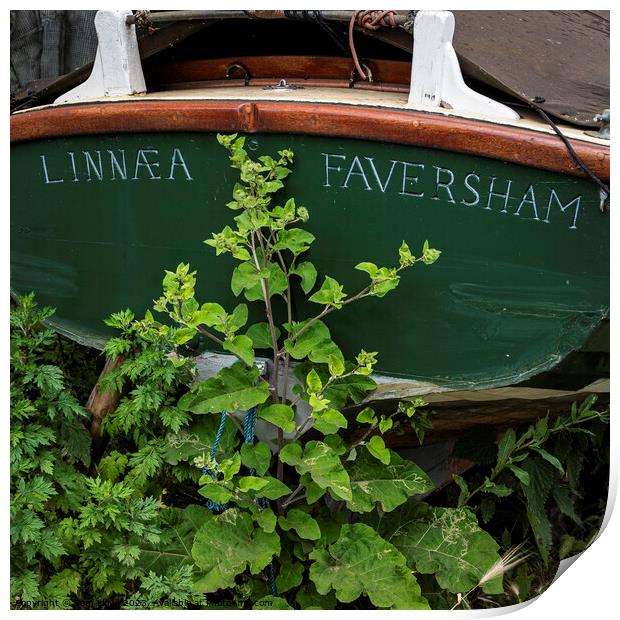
(274, 343)
(292, 496)
(208, 334)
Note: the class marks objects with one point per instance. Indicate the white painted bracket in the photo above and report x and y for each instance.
(436, 79)
(117, 69)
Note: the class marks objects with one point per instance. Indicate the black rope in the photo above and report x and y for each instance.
(578, 161)
(316, 17)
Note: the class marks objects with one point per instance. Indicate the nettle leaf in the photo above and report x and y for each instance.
(360, 563)
(542, 476)
(376, 447)
(296, 240)
(279, 415)
(505, 447)
(226, 545)
(307, 272)
(387, 486)
(330, 293)
(235, 387)
(445, 542)
(521, 474)
(260, 335)
(305, 526)
(323, 465)
(550, 458)
(257, 457)
(241, 346)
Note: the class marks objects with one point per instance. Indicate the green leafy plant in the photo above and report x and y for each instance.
(536, 476)
(307, 384)
(177, 504)
(50, 451)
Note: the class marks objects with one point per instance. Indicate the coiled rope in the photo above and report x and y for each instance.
(370, 20)
(249, 427)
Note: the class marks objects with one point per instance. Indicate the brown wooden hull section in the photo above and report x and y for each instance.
(450, 133)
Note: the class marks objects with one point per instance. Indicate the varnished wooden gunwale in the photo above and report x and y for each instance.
(410, 127)
(276, 67)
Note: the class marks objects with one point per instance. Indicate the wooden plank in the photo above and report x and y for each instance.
(451, 421)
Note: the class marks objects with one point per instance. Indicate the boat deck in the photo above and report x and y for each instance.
(396, 101)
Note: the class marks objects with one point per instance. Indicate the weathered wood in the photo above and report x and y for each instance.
(460, 135)
(562, 56)
(100, 403)
(44, 91)
(449, 422)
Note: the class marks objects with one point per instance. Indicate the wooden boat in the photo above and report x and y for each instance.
(107, 191)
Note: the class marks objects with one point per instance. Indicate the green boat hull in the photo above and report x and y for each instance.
(522, 281)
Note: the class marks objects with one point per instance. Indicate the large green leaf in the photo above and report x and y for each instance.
(279, 415)
(241, 346)
(175, 544)
(244, 276)
(235, 387)
(296, 240)
(301, 522)
(197, 440)
(446, 542)
(387, 485)
(360, 563)
(260, 334)
(276, 280)
(343, 391)
(226, 545)
(322, 463)
(314, 342)
(307, 272)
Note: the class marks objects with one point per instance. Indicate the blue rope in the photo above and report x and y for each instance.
(249, 427)
(216, 507)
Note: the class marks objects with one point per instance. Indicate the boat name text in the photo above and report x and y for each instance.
(99, 165)
(470, 189)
